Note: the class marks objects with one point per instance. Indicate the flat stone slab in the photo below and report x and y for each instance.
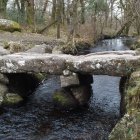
(117, 63)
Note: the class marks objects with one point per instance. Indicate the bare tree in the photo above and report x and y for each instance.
(30, 12)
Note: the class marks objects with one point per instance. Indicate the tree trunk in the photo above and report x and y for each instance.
(58, 14)
(30, 12)
(3, 5)
(53, 16)
(138, 26)
(82, 11)
(111, 13)
(68, 12)
(22, 9)
(125, 28)
(44, 8)
(73, 23)
(63, 13)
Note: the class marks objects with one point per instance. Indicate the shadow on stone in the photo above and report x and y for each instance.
(22, 84)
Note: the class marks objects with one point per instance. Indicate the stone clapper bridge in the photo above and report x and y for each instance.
(113, 63)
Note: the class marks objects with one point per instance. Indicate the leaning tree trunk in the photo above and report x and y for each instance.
(125, 27)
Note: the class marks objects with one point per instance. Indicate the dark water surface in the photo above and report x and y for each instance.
(37, 119)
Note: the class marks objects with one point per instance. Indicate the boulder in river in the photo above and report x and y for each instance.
(82, 94)
(9, 25)
(12, 99)
(63, 99)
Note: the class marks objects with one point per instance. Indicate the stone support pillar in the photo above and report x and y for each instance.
(75, 90)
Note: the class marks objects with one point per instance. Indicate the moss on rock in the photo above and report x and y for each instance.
(64, 99)
(128, 128)
(8, 25)
(12, 99)
(40, 76)
(132, 97)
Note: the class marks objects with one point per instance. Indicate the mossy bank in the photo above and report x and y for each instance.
(128, 128)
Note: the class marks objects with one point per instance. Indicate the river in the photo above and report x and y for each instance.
(37, 118)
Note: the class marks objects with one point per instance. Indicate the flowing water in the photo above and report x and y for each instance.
(37, 119)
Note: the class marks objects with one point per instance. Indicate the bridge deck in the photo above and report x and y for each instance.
(118, 63)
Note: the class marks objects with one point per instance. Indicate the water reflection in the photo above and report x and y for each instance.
(117, 44)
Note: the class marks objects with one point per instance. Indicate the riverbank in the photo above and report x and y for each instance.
(128, 128)
(20, 41)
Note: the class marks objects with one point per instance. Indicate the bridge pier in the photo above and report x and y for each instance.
(14, 88)
(75, 90)
(122, 87)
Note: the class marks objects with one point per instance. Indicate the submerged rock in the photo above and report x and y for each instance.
(8, 25)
